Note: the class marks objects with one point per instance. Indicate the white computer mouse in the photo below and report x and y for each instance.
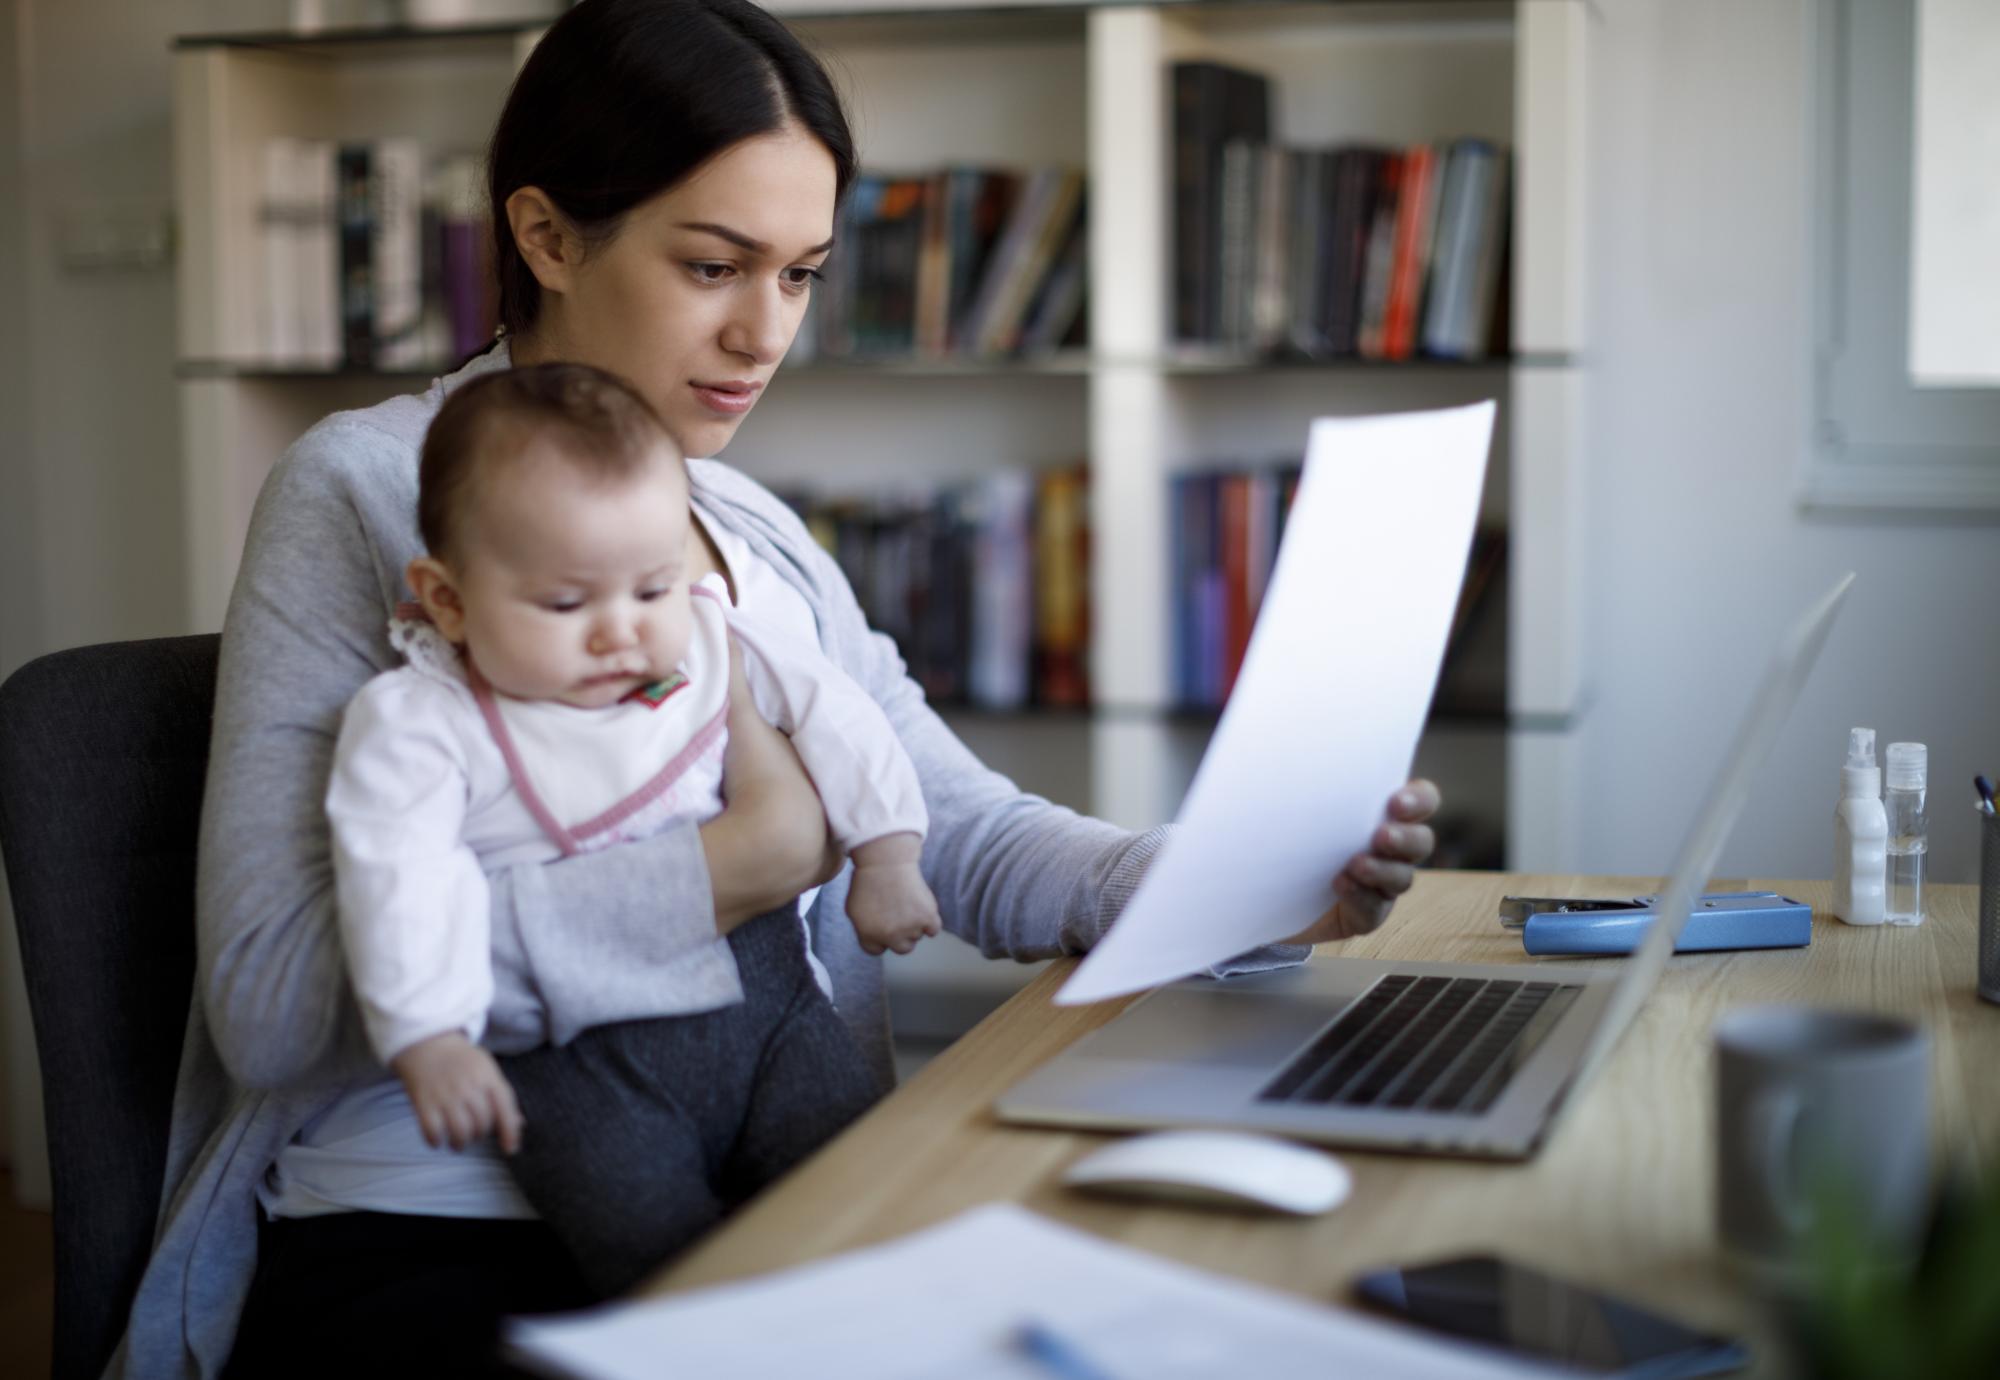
(1224, 1168)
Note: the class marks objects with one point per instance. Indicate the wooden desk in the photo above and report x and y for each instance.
(1622, 1196)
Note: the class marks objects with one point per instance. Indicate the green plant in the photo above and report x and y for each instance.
(1939, 1320)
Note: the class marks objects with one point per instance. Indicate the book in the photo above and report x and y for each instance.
(1271, 252)
(1357, 174)
(1233, 510)
(1001, 628)
(1062, 589)
(1040, 225)
(985, 199)
(357, 251)
(1304, 285)
(1242, 166)
(396, 253)
(1379, 259)
(1213, 104)
(1053, 320)
(1416, 218)
(465, 256)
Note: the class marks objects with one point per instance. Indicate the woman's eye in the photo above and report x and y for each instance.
(711, 273)
(803, 277)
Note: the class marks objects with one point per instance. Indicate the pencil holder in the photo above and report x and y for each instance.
(1989, 907)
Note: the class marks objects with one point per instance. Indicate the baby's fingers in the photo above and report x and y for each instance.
(507, 1119)
(430, 1120)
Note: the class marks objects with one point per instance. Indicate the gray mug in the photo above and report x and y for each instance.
(1809, 1102)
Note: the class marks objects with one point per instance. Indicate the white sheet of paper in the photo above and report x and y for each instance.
(1322, 725)
(950, 1300)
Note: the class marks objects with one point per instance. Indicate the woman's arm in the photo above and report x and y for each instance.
(306, 629)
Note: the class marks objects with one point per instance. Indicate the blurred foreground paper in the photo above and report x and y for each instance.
(952, 1299)
(1323, 723)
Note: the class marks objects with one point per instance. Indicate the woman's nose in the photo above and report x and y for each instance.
(760, 327)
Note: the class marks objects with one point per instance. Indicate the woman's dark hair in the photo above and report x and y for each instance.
(596, 421)
(623, 98)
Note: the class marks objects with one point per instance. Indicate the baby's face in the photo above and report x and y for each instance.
(576, 589)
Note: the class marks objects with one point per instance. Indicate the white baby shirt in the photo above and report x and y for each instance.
(437, 779)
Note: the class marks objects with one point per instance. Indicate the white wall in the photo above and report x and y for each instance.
(90, 520)
(1699, 414)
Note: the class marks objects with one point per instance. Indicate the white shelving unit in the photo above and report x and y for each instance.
(1029, 84)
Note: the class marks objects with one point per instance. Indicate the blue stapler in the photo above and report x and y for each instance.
(1721, 920)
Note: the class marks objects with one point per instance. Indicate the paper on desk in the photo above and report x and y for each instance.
(946, 1302)
(1322, 725)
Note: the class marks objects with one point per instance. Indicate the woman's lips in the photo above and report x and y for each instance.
(729, 399)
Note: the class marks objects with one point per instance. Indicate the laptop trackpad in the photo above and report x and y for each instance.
(1210, 1024)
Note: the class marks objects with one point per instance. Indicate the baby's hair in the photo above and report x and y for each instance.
(596, 421)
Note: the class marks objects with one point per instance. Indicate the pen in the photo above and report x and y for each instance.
(1985, 789)
(1055, 1353)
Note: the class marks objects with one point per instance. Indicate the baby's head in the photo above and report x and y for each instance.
(553, 504)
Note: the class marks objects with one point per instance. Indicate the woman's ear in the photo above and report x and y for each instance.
(548, 243)
(431, 582)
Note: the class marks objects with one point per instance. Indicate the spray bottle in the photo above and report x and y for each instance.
(1860, 835)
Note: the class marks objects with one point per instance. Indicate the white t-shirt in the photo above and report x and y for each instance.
(366, 1151)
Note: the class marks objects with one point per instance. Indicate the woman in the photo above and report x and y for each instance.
(664, 179)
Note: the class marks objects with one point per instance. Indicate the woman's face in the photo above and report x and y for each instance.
(698, 295)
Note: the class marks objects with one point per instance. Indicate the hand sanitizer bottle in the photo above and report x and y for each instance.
(1860, 835)
(1903, 803)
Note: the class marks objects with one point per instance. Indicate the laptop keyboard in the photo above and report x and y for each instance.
(1427, 1044)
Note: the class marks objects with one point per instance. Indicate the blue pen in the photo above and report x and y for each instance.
(1985, 789)
(1055, 1353)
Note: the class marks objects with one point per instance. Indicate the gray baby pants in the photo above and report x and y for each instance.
(643, 1134)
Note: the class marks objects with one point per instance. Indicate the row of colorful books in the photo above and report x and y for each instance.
(984, 586)
(964, 261)
(373, 256)
(1381, 253)
(1226, 528)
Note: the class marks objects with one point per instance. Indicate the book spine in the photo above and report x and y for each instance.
(1371, 337)
(1060, 305)
(1408, 261)
(933, 304)
(466, 257)
(396, 188)
(1005, 330)
(357, 285)
(1241, 161)
(1488, 274)
(1199, 98)
(1001, 631)
(1062, 566)
(281, 247)
(1235, 563)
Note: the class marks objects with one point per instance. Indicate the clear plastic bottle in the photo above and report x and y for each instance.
(1903, 800)
(1860, 833)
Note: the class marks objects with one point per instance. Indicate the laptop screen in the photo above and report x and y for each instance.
(1790, 664)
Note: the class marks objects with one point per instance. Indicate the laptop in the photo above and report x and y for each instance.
(1460, 1059)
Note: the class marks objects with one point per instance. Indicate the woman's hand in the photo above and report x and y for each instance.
(1369, 885)
(770, 842)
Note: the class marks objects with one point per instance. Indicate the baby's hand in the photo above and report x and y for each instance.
(459, 1093)
(890, 906)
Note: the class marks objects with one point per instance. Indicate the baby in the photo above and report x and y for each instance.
(567, 689)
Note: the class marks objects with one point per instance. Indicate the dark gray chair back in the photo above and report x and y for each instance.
(102, 755)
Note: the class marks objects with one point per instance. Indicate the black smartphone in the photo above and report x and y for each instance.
(1486, 1299)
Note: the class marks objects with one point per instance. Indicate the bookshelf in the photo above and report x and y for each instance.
(1026, 85)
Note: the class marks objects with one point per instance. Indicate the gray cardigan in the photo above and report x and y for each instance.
(273, 1035)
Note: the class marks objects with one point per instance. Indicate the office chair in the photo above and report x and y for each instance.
(102, 756)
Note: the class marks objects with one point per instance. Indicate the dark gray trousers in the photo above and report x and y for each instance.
(642, 1135)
